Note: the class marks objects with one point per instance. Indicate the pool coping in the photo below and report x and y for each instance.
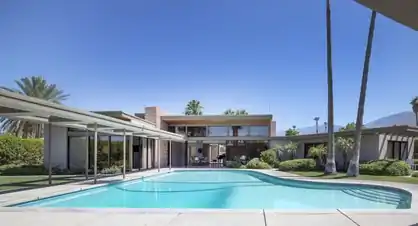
(7, 205)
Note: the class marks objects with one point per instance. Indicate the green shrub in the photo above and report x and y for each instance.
(11, 148)
(33, 151)
(276, 164)
(243, 167)
(298, 165)
(111, 170)
(385, 168)
(233, 164)
(268, 156)
(255, 163)
(416, 161)
(414, 174)
(15, 150)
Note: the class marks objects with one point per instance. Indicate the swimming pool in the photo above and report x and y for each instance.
(229, 189)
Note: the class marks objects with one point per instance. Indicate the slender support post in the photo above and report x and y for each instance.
(210, 155)
(124, 154)
(157, 142)
(130, 156)
(49, 154)
(86, 163)
(95, 153)
(169, 153)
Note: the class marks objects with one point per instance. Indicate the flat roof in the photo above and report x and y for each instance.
(403, 11)
(217, 119)
(21, 107)
(124, 116)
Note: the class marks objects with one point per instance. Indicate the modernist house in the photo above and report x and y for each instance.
(207, 137)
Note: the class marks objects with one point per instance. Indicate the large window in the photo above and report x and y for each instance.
(103, 152)
(196, 131)
(259, 131)
(217, 131)
(397, 150)
(239, 131)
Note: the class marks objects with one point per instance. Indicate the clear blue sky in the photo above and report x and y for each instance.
(123, 55)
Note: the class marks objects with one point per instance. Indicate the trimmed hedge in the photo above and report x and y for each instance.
(415, 174)
(15, 150)
(386, 168)
(298, 165)
(255, 163)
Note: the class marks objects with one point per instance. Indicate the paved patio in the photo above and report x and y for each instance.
(204, 217)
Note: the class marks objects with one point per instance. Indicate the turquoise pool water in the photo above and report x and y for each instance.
(231, 189)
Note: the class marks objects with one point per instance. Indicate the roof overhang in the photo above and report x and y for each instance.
(218, 119)
(20, 107)
(402, 11)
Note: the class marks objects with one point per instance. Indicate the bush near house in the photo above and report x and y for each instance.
(255, 163)
(414, 174)
(386, 168)
(15, 150)
(298, 165)
(269, 156)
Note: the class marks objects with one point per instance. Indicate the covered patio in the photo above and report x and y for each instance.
(20, 107)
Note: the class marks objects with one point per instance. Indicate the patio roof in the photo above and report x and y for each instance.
(403, 11)
(21, 107)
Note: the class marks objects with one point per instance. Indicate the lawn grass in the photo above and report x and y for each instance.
(321, 175)
(10, 183)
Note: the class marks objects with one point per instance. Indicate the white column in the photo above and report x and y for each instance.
(124, 155)
(157, 146)
(210, 155)
(169, 154)
(49, 154)
(86, 164)
(95, 153)
(130, 156)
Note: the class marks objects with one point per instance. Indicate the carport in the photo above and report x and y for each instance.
(21, 107)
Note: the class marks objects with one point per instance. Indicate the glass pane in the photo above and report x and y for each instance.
(103, 158)
(261, 131)
(196, 131)
(116, 155)
(217, 131)
(239, 131)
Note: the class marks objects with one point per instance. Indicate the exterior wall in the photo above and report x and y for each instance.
(59, 146)
(273, 128)
(178, 152)
(383, 145)
(373, 146)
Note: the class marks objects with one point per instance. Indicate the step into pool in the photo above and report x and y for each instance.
(229, 189)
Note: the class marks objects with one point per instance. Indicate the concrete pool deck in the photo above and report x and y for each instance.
(18, 216)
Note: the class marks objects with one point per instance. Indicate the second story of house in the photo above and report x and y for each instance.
(211, 125)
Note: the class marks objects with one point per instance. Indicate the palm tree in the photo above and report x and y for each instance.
(414, 103)
(292, 131)
(330, 167)
(34, 86)
(353, 169)
(193, 108)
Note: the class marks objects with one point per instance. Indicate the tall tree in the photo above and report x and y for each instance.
(292, 131)
(193, 107)
(34, 86)
(414, 104)
(330, 166)
(353, 169)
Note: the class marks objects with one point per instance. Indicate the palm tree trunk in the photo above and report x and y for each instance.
(353, 169)
(330, 165)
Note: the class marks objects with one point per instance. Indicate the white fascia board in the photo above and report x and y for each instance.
(42, 107)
